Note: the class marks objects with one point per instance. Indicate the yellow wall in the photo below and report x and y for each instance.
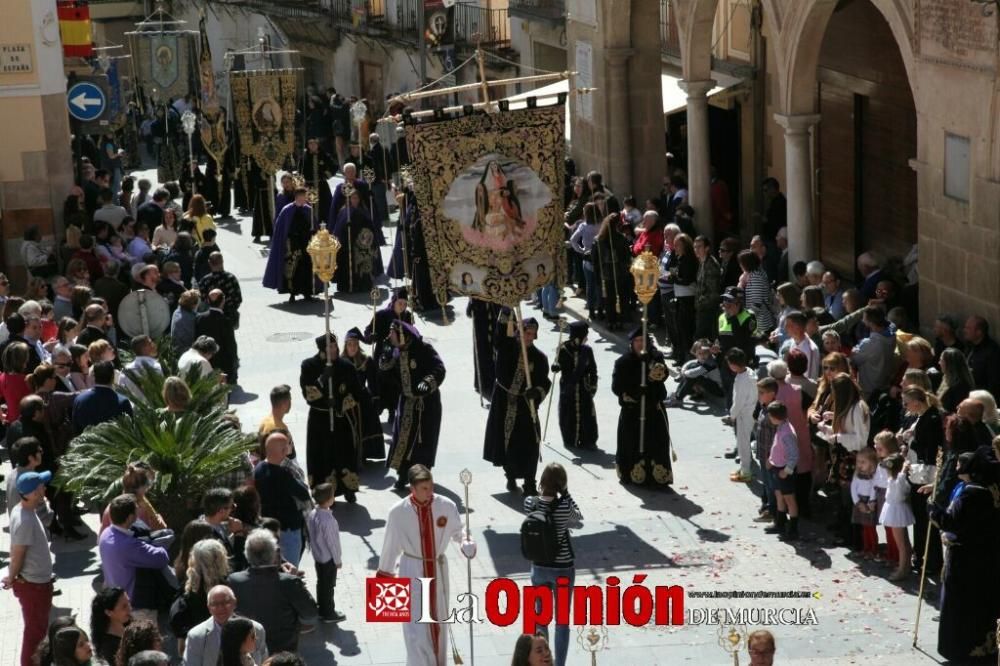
(16, 28)
(21, 131)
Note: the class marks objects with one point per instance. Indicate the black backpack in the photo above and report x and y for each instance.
(539, 538)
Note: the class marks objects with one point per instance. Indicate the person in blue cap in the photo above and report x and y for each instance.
(30, 570)
(513, 436)
(577, 386)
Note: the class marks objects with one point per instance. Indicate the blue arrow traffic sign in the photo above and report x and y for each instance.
(86, 101)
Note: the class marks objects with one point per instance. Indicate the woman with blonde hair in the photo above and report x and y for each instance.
(208, 566)
(78, 273)
(846, 427)
(957, 379)
(176, 395)
(197, 218)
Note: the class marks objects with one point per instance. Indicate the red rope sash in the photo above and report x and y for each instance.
(428, 551)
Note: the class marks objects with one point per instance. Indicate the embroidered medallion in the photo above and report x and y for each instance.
(442, 521)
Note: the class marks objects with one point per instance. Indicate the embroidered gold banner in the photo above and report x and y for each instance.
(489, 187)
(264, 104)
(164, 63)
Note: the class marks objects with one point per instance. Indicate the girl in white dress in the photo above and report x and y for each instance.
(896, 513)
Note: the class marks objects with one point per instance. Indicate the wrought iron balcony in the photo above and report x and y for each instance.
(548, 11)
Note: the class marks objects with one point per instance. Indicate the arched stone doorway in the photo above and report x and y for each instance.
(866, 191)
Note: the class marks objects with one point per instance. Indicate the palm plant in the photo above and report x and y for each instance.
(190, 452)
(146, 390)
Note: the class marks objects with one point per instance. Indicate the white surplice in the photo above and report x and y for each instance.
(403, 543)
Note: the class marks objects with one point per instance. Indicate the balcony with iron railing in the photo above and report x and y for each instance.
(670, 42)
(400, 20)
(552, 12)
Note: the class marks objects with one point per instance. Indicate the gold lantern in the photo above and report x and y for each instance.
(645, 271)
(323, 250)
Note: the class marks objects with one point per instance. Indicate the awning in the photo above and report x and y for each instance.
(674, 98)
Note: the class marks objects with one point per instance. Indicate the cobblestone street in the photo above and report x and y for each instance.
(701, 536)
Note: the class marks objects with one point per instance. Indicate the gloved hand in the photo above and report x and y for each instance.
(423, 387)
(555, 367)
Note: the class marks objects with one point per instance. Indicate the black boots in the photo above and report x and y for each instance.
(786, 528)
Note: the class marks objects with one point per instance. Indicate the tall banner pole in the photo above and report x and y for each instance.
(466, 478)
(555, 362)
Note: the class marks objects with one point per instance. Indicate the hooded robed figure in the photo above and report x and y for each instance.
(289, 266)
(261, 200)
(333, 453)
(419, 370)
(970, 590)
(409, 243)
(359, 261)
(513, 436)
(652, 464)
(484, 316)
(577, 386)
(385, 386)
(317, 167)
(367, 368)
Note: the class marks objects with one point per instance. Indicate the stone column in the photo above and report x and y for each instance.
(619, 145)
(699, 153)
(799, 185)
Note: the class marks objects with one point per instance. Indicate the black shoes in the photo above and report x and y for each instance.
(731, 455)
(351, 496)
(400, 484)
(336, 618)
(511, 485)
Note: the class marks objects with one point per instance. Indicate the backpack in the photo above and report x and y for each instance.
(539, 537)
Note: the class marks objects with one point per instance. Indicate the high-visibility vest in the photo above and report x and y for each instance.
(726, 327)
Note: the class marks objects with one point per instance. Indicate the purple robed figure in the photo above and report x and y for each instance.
(289, 267)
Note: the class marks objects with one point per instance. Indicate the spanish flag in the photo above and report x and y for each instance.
(74, 28)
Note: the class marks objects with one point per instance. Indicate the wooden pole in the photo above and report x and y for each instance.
(537, 78)
(527, 378)
(927, 546)
(483, 83)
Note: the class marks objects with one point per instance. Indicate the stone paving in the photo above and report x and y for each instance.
(701, 536)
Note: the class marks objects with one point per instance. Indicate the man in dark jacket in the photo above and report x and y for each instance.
(100, 403)
(279, 601)
(983, 355)
(215, 325)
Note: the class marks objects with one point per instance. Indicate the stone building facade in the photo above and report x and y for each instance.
(884, 129)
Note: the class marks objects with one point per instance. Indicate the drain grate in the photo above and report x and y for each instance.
(289, 337)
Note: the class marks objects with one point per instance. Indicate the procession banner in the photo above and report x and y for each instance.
(264, 107)
(163, 61)
(214, 138)
(489, 188)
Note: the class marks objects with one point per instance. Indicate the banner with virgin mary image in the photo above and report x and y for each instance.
(489, 188)
(264, 104)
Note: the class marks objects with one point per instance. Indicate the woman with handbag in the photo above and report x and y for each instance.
(923, 439)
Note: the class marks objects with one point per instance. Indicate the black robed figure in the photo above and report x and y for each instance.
(970, 590)
(359, 261)
(484, 317)
(652, 466)
(420, 372)
(373, 447)
(317, 167)
(612, 257)
(333, 453)
(385, 387)
(289, 266)
(577, 386)
(513, 436)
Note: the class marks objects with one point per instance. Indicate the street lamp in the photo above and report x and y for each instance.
(323, 249)
(188, 123)
(645, 271)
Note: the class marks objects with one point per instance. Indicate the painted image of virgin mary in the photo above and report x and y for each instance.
(498, 210)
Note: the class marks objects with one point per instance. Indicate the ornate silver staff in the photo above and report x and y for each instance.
(731, 639)
(592, 640)
(465, 476)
